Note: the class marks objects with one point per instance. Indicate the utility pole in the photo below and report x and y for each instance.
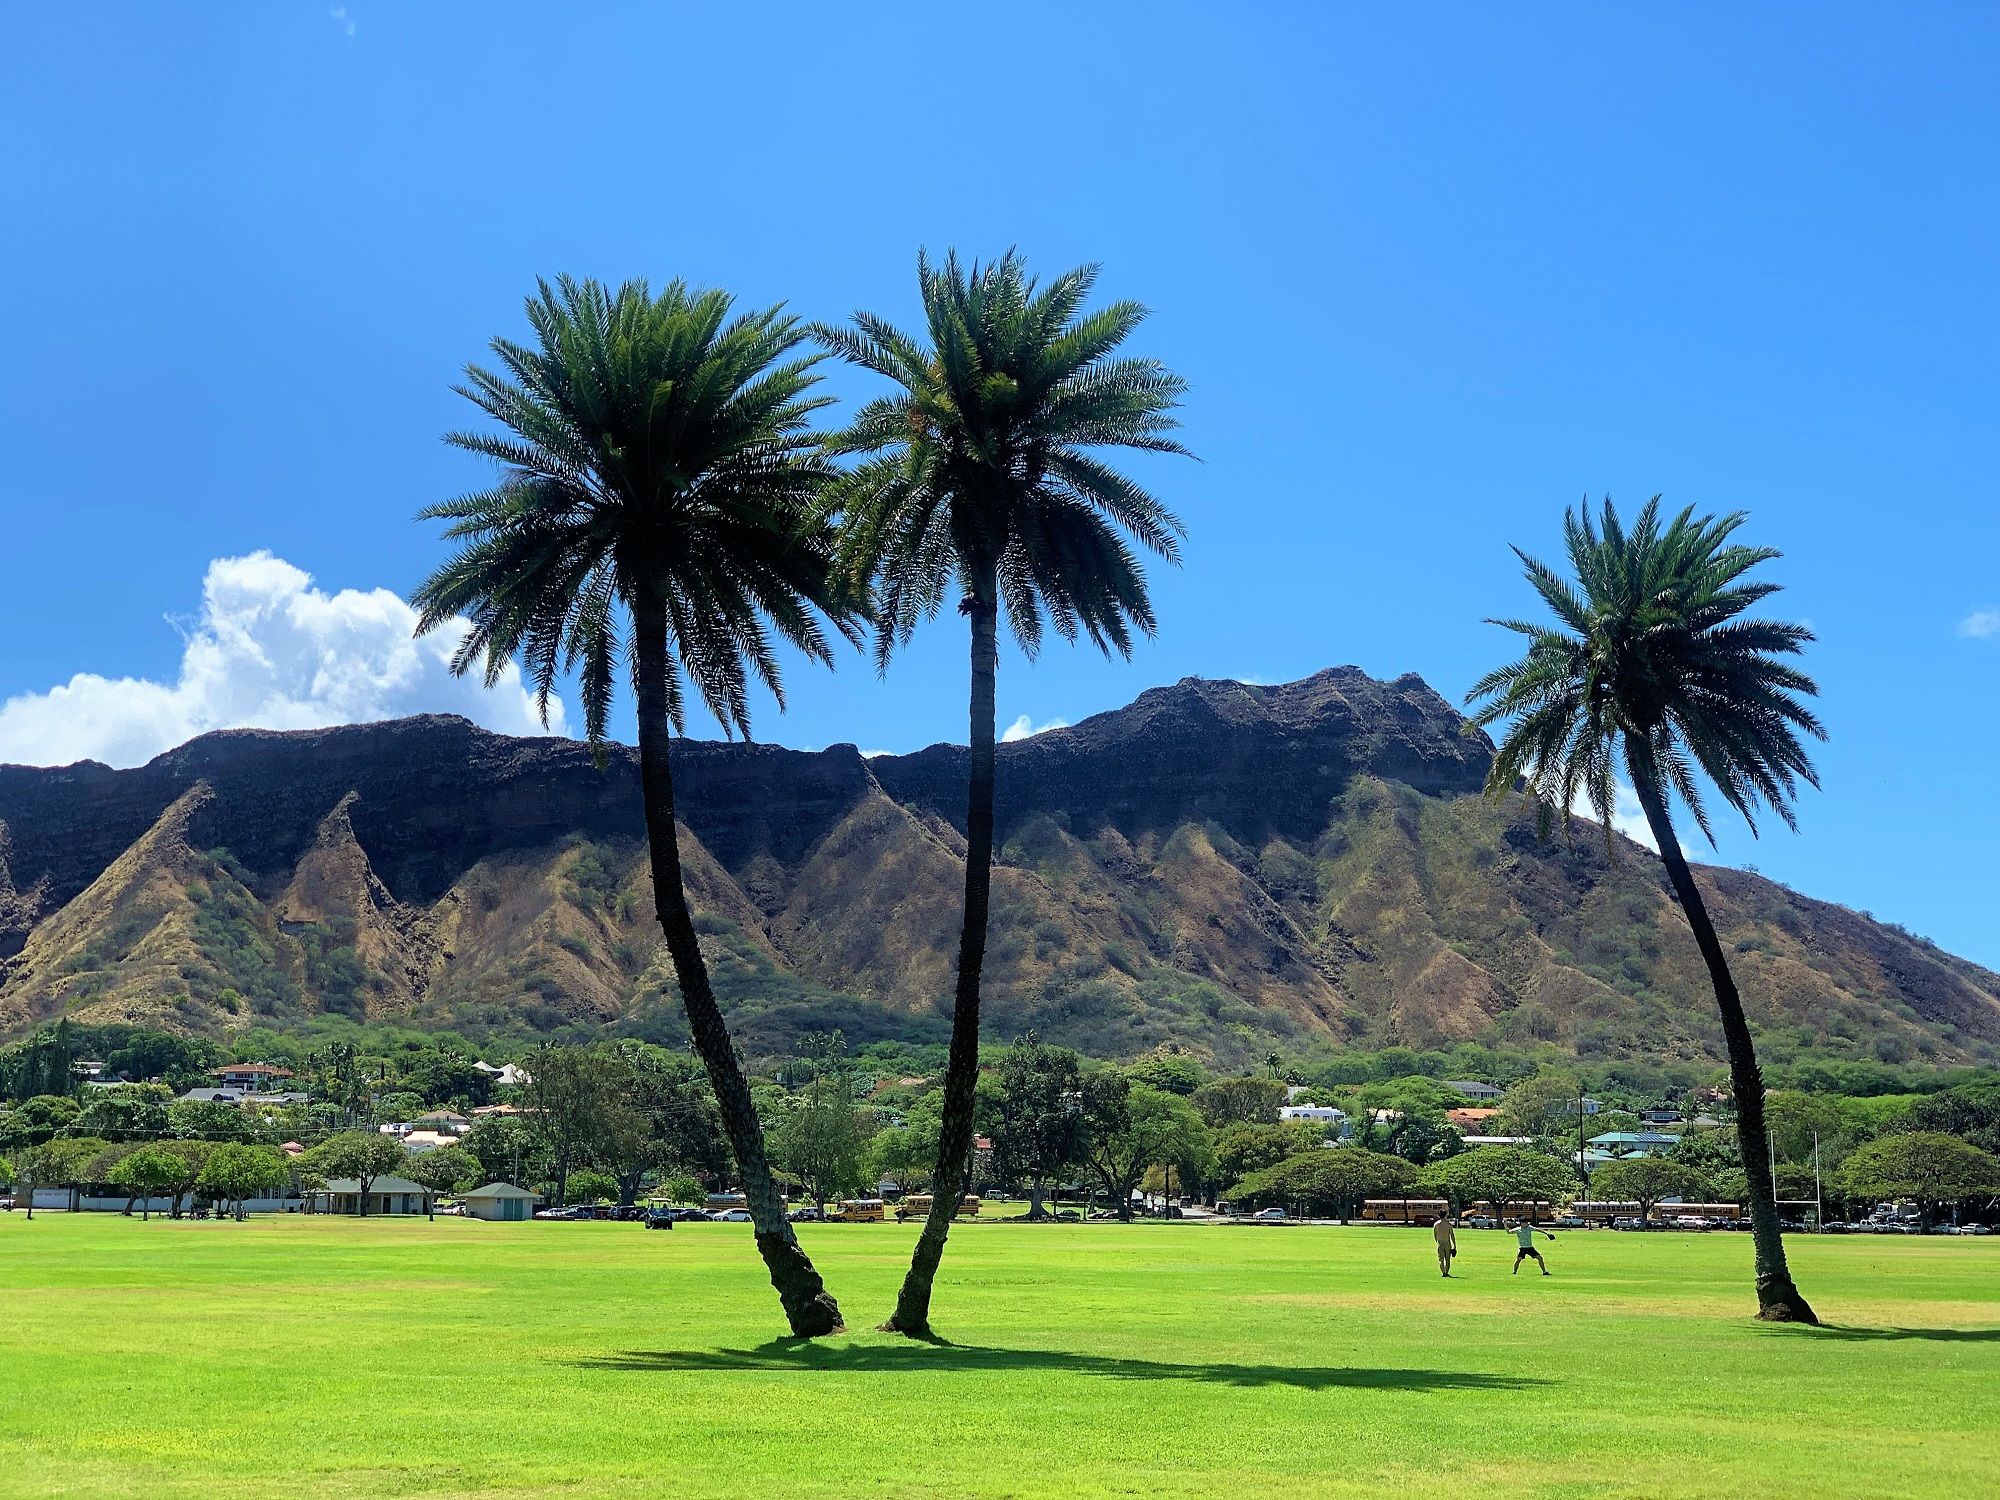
(1819, 1197)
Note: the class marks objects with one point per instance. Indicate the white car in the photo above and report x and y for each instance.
(1272, 1215)
(731, 1216)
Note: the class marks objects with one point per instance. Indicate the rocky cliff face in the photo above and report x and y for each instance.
(1226, 865)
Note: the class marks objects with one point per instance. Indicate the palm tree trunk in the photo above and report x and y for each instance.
(961, 1077)
(1778, 1299)
(809, 1307)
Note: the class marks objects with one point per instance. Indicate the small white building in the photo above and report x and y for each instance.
(500, 1201)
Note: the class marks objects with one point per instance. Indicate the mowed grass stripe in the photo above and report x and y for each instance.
(403, 1358)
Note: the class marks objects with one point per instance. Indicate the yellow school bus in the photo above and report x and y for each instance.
(918, 1206)
(858, 1211)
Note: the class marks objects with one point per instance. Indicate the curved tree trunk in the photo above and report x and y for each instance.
(809, 1307)
(961, 1077)
(1778, 1300)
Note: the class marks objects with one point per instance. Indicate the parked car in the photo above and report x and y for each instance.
(1628, 1223)
(806, 1215)
(1479, 1221)
(1270, 1215)
(731, 1216)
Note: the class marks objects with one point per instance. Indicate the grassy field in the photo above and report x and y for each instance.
(342, 1358)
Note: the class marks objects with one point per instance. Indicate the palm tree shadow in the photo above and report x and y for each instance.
(802, 1356)
(1839, 1333)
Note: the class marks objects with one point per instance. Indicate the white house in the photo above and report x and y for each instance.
(1473, 1089)
(1324, 1113)
(506, 1076)
(500, 1201)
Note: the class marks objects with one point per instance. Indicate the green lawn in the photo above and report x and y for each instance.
(331, 1357)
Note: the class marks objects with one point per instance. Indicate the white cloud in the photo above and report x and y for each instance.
(1627, 816)
(268, 651)
(343, 20)
(1981, 624)
(875, 754)
(1022, 728)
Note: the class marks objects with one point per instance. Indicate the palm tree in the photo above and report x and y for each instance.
(978, 475)
(658, 506)
(1651, 662)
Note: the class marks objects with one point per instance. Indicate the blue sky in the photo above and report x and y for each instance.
(1431, 276)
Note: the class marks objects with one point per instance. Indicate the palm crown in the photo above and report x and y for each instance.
(1650, 651)
(979, 467)
(655, 448)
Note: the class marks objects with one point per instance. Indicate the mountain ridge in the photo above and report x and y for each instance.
(1225, 865)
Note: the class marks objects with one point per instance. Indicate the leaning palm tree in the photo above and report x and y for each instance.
(657, 507)
(1652, 667)
(978, 475)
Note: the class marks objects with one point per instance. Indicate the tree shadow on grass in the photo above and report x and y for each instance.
(1839, 1333)
(801, 1356)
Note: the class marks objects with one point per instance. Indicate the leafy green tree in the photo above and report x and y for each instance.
(1130, 1127)
(656, 509)
(503, 1146)
(569, 1103)
(1169, 1072)
(593, 1185)
(235, 1173)
(1971, 1111)
(445, 1169)
(363, 1155)
(1653, 668)
(1500, 1175)
(660, 1118)
(1709, 1151)
(149, 1172)
(1038, 1134)
(1239, 1101)
(821, 1137)
(1244, 1150)
(1645, 1180)
(981, 474)
(1926, 1167)
(50, 1163)
(1331, 1179)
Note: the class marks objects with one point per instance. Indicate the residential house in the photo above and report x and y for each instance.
(506, 1076)
(1499, 1140)
(1324, 1114)
(500, 1202)
(1473, 1089)
(1470, 1119)
(443, 1121)
(1634, 1142)
(250, 1077)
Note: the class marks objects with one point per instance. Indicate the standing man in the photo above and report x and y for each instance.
(1447, 1243)
(1524, 1236)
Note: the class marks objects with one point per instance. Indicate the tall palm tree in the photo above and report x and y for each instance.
(978, 474)
(658, 507)
(1651, 664)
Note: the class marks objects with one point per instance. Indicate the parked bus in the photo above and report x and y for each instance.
(1539, 1212)
(1602, 1210)
(858, 1211)
(1425, 1211)
(918, 1206)
(1726, 1213)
